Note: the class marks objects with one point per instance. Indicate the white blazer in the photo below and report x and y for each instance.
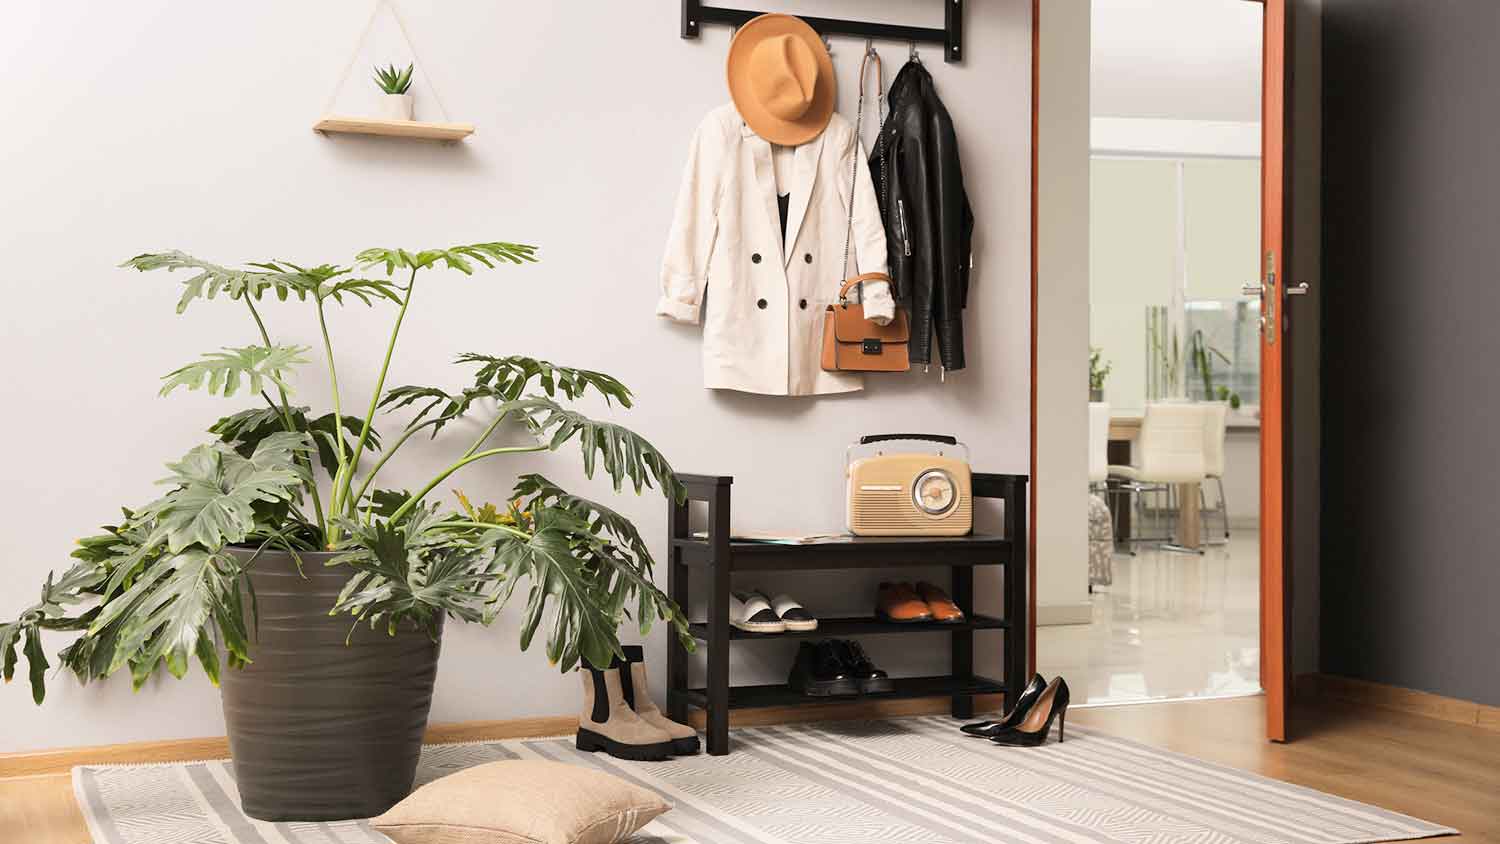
(763, 319)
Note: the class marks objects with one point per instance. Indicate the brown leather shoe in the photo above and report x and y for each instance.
(943, 610)
(899, 603)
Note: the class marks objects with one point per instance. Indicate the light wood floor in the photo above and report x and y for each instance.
(1442, 772)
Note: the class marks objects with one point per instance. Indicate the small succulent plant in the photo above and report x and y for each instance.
(393, 81)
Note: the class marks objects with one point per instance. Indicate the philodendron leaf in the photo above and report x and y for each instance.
(581, 625)
(217, 488)
(170, 616)
(224, 371)
(455, 257)
(37, 660)
(9, 633)
(508, 377)
(210, 279)
(246, 429)
(602, 521)
(624, 454)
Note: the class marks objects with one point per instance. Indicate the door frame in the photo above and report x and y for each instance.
(1276, 226)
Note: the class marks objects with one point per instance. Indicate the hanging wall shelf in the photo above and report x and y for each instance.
(394, 128)
(421, 129)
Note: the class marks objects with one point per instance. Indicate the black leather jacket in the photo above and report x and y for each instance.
(929, 225)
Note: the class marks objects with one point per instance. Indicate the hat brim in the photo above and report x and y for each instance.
(775, 129)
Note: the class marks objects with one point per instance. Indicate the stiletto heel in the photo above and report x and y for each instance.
(1028, 698)
(1033, 729)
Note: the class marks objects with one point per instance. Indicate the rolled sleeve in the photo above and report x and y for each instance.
(879, 305)
(683, 309)
(868, 234)
(684, 273)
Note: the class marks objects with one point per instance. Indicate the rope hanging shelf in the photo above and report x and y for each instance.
(444, 130)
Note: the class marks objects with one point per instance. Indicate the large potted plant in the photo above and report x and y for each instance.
(276, 554)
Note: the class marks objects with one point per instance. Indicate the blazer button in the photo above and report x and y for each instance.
(761, 303)
(802, 303)
(807, 257)
(755, 259)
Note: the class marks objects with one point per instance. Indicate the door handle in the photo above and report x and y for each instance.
(1299, 290)
(1267, 319)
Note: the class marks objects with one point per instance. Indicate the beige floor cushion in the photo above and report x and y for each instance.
(522, 802)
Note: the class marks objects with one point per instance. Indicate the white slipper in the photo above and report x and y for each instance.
(751, 611)
(793, 614)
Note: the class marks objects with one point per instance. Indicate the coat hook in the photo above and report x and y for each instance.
(870, 47)
(912, 54)
(827, 45)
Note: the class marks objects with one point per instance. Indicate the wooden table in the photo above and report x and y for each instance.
(1124, 430)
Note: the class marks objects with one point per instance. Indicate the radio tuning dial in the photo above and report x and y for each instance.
(934, 493)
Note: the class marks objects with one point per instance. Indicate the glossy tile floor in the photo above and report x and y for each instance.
(1171, 626)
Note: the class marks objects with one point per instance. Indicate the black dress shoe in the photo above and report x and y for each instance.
(871, 680)
(1033, 729)
(820, 671)
(990, 729)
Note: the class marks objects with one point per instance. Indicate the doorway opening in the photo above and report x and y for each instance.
(1173, 602)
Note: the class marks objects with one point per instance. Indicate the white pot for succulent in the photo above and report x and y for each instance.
(396, 106)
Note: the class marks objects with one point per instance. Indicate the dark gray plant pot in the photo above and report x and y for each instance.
(320, 730)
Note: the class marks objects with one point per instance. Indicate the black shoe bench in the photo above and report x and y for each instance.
(716, 557)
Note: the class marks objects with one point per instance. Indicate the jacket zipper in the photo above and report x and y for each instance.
(901, 221)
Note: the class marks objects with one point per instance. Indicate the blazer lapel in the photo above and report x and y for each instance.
(765, 178)
(805, 170)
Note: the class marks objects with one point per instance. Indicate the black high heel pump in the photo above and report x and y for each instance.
(1028, 698)
(1033, 729)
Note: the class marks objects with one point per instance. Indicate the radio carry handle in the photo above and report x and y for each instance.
(880, 438)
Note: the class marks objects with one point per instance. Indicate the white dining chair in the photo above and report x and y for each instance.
(1169, 451)
(1215, 429)
(1098, 442)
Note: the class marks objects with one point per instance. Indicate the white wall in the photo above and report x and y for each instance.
(168, 124)
(1062, 313)
(1133, 214)
(1177, 59)
(1133, 259)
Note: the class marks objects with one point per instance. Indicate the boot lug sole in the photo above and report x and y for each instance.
(591, 742)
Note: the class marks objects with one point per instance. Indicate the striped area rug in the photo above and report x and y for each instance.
(915, 781)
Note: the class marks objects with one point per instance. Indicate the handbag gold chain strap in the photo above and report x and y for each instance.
(859, 118)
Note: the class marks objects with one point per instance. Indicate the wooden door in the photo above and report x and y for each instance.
(1275, 580)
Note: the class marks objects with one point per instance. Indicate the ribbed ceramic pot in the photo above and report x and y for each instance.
(321, 730)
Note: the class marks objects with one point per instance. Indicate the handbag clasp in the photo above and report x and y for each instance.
(872, 346)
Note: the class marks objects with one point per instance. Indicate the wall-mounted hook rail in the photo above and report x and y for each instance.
(695, 15)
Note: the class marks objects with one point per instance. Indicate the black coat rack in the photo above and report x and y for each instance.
(695, 14)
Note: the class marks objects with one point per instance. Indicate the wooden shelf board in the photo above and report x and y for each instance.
(394, 128)
(837, 628)
(758, 697)
(855, 552)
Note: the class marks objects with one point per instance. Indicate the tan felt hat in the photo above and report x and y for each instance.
(781, 79)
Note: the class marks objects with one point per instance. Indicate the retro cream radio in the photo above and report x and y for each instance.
(909, 492)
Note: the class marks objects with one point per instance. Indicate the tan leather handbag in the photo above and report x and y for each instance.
(852, 343)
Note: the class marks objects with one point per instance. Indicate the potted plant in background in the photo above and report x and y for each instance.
(1099, 370)
(398, 101)
(326, 601)
(1202, 355)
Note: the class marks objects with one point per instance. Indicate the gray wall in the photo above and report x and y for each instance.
(1304, 333)
(1410, 342)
